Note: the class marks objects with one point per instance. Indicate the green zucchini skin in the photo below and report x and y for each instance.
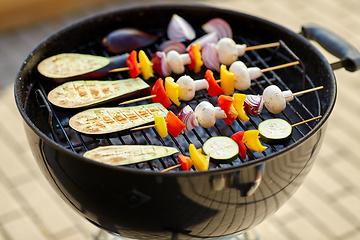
(224, 146)
(275, 131)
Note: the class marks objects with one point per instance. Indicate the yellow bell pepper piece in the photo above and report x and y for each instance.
(200, 160)
(146, 67)
(199, 62)
(172, 90)
(251, 140)
(160, 124)
(227, 80)
(238, 104)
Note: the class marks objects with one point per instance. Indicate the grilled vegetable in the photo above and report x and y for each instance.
(172, 90)
(238, 138)
(72, 66)
(128, 154)
(185, 162)
(195, 56)
(174, 124)
(227, 80)
(114, 119)
(275, 131)
(226, 104)
(200, 160)
(239, 100)
(180, 30)
(127, 39)
(82, 93)
(160, 94)
(133, 64)
(221, 149)
(251, 140)
(160, 124)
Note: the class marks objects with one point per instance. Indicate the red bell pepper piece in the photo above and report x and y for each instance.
(226, 104)
(195, 57)
(238, 138)
(133, 65)
(174, 124)
(159, 90)
(185, 162)
(214, 88)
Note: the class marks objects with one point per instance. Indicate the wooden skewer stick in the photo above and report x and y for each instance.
(268, 45)
(171, 168)
(274, 68)
(280, 66)
(308, 90)
(137, 99)
(305, 121)
(123, 69)
(143, 127)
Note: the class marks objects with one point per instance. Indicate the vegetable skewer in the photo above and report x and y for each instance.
(186, 86)
(165, 63)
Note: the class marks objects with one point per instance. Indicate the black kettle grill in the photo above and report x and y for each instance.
(138, 201)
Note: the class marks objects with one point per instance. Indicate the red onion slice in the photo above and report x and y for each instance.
(180, 30)
(160, 65)
(220, 26)
(253, 105)
(169, 45)
(210, 57)
(207, 38)
(187, 116)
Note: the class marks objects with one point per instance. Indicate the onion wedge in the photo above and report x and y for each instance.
(180, 30)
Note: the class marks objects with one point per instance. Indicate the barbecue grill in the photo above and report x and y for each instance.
(138, 201)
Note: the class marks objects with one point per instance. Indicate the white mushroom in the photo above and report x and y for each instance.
(275, 100)
(187, 87)
(228, 51)
(206, 114)
(241, 75)
(175, 62)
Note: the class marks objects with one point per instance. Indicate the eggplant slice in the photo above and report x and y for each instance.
(113, 119)
(86, 93)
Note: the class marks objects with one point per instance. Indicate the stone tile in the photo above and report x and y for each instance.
(45, 209)
(308, 231)
(321, 212)
(7, 202)
(24, 228)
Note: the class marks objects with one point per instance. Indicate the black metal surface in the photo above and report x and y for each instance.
(152, 205)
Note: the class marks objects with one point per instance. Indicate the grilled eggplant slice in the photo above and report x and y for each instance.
(82, 93)
(74, 66)
(113, 119)
(128, 154)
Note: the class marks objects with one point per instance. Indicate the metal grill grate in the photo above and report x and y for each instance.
(295, 111)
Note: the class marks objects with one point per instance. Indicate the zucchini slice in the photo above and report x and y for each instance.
(221, 149)
(275, 131)
(128, 154)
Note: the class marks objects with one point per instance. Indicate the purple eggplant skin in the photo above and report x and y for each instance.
(117, 61)
(127, 39)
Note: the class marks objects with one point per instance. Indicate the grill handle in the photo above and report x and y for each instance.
(349, 56)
